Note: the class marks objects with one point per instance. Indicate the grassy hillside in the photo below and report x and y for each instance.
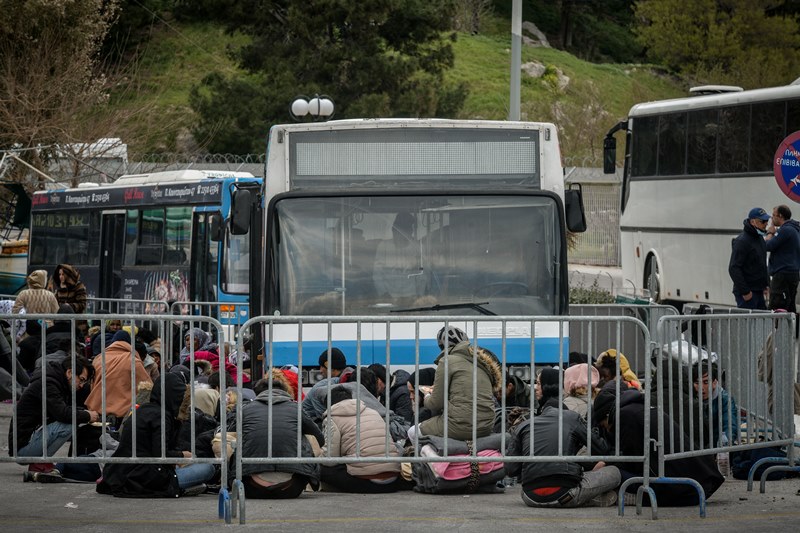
(596, 96)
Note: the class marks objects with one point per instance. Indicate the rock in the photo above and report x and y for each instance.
(534, 69)
(537, 38)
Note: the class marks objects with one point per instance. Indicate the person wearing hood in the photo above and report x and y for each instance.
(702, 468)
(783, 245)
(275, 481)
(118, 358)
(607, 367)
(748, 264)
(457, 365)
(560, 432)
(68, 288)
(139, 480)
(195, 340)
(36, 298)
(355, 430)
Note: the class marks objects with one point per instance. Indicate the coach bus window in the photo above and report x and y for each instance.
(645, 144)
(734, 129)
(792, 117)
(177, 241)
(672, 144)
(767, 132)
(131, 234)
(151, 237)
(702, 145)
(236, 264)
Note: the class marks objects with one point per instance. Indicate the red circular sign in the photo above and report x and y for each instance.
(787, 166)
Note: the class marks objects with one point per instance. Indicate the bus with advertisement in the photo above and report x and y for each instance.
(693, 169)
(152, 237)
(402, 217)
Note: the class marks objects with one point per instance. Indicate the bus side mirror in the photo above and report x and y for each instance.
(573, 205)
(215, 227)
(241, 201)
(609, 155)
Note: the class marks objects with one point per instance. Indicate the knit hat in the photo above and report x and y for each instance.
(452, 335)
(548, 379)
(337, 359)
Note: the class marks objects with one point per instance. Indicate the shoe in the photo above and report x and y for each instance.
(28, 476)
(607, 499)
(194, 490)
(41, 467)
(48, 477)
(630, 498)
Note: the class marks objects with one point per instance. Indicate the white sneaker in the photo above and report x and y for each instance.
(797, 427)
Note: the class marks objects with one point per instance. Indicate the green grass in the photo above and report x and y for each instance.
(173, 61)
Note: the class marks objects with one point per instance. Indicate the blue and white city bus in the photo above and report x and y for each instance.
(154, 237)
(408, 217)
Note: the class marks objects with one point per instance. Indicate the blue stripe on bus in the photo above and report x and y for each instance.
(518, 351)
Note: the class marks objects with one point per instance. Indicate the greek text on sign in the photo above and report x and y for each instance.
(787, 166)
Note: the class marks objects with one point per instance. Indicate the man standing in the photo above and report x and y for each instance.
(783, 245)
(748, 265)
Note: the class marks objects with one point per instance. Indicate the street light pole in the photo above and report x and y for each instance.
(516, 58)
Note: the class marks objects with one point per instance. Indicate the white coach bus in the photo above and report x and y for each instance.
(399, 217)
(693, 169)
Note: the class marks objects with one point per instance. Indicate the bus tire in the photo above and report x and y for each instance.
(652, 278)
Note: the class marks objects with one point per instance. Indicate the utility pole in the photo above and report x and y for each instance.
(516, 58)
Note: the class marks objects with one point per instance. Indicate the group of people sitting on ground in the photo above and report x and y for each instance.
(363, 416)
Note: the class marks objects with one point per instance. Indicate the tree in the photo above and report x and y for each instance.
(375, 58)
(49, 77)
(752, 43)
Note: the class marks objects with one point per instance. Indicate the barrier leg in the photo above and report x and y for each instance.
(238, 487)
(701, 494)
(757, 465)
(222, 499)
(653, 503)
(771, 469)
(621, 495)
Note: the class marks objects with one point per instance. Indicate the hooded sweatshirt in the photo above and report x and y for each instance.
(73, 292)
(36, 298)
(784, 249)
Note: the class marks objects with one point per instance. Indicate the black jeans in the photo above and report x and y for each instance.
(338, 477)
(280, 491)
(783, 291)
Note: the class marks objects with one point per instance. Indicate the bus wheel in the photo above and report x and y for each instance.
(652, 279)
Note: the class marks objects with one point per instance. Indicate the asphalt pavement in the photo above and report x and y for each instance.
(77, 507)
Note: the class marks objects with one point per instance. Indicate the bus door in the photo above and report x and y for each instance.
(204, 263)
(112, 250)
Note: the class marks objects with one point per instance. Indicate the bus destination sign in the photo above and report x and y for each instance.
(206, 192)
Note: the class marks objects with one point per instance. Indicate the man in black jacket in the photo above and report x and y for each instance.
(748, 264)
(560, 483)
(60, 378)
(783, 245)
(276, 481)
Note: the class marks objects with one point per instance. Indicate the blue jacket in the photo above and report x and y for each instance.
(784, 248)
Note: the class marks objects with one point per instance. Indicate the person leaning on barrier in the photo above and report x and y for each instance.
(560, 483)
(632, 413)
(748, 264)
(783, 245)
(141, 480)
(275, 481)
(456, 365)
(60, 378)
(368, 441)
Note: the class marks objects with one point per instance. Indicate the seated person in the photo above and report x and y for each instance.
(559, 483)
(345, 441)
(723, 406)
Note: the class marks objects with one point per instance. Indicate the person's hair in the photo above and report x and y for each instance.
(368, 380)
(264, 384)
(577, 358)
(426, 377)
(81, 364)
(340, 394)
(337, 360)
(379, 370)
(784, 212)
(700, 368)
(33, 327)
(452, 335)
(213, 380)
(146, 336)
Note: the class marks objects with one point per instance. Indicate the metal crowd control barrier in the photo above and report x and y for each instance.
(361, 329)
(752, 405)
(633, 344)
(52, 365)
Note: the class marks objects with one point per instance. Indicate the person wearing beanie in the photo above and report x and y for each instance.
(559, 431)
(332, 364)
(631, 420)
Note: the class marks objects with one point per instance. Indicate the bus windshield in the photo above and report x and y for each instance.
(457, 254)
(236, 264)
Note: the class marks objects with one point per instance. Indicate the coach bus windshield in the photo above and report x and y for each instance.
(456, 254)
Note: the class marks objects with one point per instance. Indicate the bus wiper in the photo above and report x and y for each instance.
(442, 307)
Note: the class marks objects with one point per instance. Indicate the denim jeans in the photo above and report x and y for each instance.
(191, 475)
(58, 433)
